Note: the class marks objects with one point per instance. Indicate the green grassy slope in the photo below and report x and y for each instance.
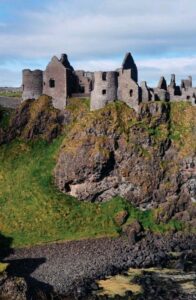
(33, 211)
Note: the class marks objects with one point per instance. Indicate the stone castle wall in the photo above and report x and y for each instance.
(105, 89)
(10, 102)
(83, 82)
(60, 81)
(32, 84)
(128, 89)
(55, 83)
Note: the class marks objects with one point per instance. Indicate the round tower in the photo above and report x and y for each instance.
(105, 89)
(32, 83)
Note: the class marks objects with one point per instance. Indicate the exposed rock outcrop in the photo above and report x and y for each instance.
(137, 156)
(34, 118)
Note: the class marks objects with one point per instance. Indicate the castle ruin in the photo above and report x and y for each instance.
(61, 81)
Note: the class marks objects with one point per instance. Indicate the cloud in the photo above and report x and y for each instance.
(97, 34)
(149, 70)
(109, 27)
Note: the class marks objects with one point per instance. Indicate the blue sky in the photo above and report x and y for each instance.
(96, 35)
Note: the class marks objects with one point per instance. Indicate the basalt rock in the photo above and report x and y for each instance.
(112, 154)
(35, 118)
(12, 288)
(115, 151)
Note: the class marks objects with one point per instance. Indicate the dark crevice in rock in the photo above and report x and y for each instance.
(108, 167)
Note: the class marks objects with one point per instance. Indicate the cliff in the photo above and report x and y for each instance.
(30, 120)
(147, 158)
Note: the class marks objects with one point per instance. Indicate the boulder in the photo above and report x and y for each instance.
(121, 217)
(132, 231)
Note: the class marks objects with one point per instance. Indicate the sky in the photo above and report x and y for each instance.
(160, 34)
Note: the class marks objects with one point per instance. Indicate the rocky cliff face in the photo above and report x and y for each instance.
(147, 158)
(33, 119)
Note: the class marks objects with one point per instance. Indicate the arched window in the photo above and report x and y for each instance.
(51, 83)
(131, 93)
(104, 92)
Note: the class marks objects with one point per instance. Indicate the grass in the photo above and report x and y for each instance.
(78, 104)
(3, 267)
(183, 128)
(5, 115)
(148, 220)
(33, 211)
(11, 94)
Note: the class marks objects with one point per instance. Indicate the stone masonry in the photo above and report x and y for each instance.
(105, 89)
(32, 84)
(61, 81)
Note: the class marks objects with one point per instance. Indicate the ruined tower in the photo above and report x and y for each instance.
(105, 89)
(32, 84)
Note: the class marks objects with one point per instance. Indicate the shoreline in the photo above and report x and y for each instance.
(70, 267)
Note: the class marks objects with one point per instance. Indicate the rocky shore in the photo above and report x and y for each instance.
(71, 268)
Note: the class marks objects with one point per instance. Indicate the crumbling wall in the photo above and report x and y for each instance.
(57, 82)
(128, 89)
(10, 102)
(32, 84)
(186, 83)
(83, 82)
(145, 92)
(161, 93)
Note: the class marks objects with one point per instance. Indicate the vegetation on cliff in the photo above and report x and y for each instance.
(34, 211)
(5, 115)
